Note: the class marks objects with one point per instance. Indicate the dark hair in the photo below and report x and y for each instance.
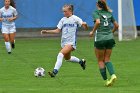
(12, 3)
(70, 7)
(102, 5)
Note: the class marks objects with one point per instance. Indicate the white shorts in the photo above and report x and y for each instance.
(8, 29)
(73, 45)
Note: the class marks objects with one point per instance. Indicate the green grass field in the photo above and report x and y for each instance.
(16, 70)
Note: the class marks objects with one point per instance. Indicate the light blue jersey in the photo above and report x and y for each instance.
(8, 27)
(69, 30)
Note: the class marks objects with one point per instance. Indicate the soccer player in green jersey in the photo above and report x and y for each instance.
(104, 40)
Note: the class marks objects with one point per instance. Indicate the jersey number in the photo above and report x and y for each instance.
(105, 20)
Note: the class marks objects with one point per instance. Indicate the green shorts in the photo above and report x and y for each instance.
(105, 44)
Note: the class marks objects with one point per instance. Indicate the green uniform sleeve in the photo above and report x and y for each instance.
(112, 19)
(96, 16)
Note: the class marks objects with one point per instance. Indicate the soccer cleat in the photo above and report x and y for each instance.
(13, 45)
(113, 79)
(83, 64)
(108, 83)
(51, 74)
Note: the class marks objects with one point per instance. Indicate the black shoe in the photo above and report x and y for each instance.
(83, 64)
(13, 45)
(51, 74)
(9, 52)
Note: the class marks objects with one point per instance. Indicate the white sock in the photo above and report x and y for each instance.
(74, 59)
(8, 46)
(58, 63)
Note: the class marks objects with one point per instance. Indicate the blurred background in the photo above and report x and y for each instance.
(36, 14)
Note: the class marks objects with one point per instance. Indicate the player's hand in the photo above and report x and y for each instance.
(91, 34)
(85, 26)
(10, 19)
(1, 19)
(43, 31)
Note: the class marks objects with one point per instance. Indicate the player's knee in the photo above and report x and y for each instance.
(63, 52)
(100, 59)
(12, 40)
(67, 58)
(107, 59)
(6, 39)
(101, 64)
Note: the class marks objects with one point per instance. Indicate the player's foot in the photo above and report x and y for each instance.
(13, 45)
(83, 64)
(107, 83)
(113, 79)
(51, 74)
(9, 52)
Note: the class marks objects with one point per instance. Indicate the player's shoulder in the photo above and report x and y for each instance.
(12, 8)
(108, 13)
(100, 12)
(96, 11)
(1, 9)
(74, 16)
(63, 18)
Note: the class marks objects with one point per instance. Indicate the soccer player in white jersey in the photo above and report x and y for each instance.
(8, 15)
(68, 26)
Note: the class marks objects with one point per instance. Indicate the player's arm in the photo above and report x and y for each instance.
(81, 23)
(12, 18)
(15, 15)
(97, 23)
(1, 19)
(84, 25)
(116, 26)
(56, 31)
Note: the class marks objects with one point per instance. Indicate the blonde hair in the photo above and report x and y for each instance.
(69, 6)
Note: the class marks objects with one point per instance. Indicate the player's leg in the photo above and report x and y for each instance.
(5, 33)
(107, 61)
(7, 43)
(70, 58)
(109, 65)
(100, 58)
(12, 39)
(67, 49)
(12, 36)
(109, 46)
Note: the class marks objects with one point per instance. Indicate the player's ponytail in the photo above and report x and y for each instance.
(72, 7)
(12, 3)
(102, 4)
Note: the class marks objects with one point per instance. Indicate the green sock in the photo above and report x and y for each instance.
(103, 73)
(110, 68)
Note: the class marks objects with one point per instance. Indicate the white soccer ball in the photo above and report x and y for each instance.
(39, 72)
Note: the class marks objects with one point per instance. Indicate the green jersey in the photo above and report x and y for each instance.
(104, 31)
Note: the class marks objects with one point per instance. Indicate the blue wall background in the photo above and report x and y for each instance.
(47, 13)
